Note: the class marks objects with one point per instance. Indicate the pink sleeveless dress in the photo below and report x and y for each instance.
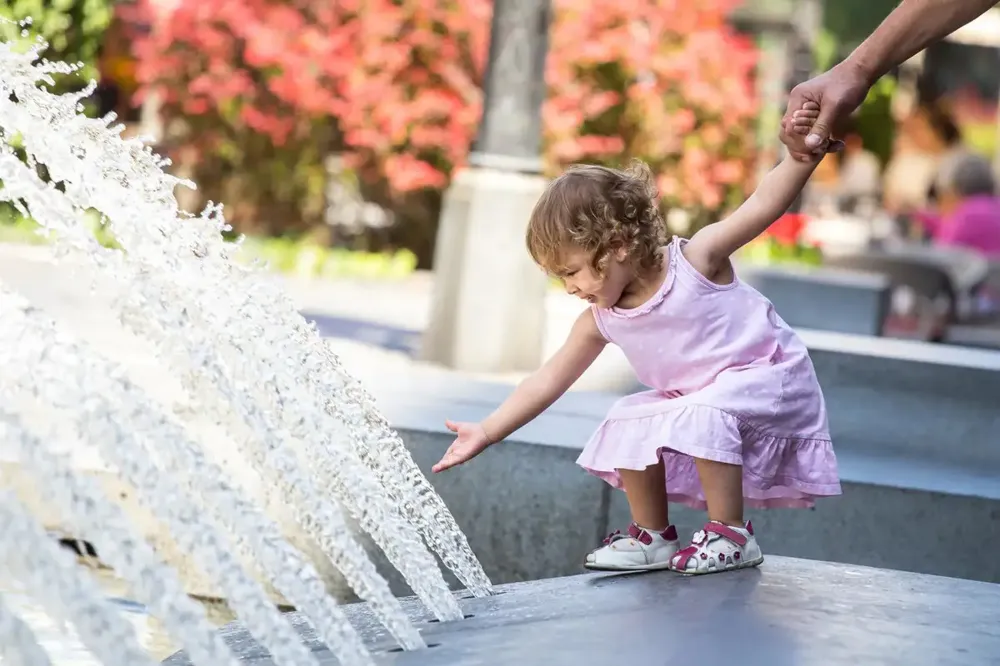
(730, 381)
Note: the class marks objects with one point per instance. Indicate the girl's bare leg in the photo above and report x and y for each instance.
(653, 546)
(723, 487)
(646, 491)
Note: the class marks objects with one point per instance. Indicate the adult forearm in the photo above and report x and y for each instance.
(911, 27)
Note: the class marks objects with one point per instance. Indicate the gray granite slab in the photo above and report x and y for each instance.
(786, 613)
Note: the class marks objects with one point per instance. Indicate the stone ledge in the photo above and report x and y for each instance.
(926, 404)
(569, 431)
(902, 350)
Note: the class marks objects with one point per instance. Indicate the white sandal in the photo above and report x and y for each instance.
(637, 550)
(716, 548)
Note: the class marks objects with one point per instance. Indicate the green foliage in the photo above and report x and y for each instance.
(825, 50)
(304, 259)
(874, 119)
(851, 21)
(15, 228)
(981, 137)
(285, 255)
(74, 29)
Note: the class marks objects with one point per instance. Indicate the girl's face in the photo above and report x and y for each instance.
(582, 281)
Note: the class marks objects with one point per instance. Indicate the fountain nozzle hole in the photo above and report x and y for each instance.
(399, 649)
(78, 546)
(464, 617)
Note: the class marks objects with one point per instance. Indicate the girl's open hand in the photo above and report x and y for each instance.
(470, 441)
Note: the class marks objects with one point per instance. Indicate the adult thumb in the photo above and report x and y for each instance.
(820, 131)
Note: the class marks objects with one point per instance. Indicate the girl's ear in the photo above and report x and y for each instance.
(620, 254)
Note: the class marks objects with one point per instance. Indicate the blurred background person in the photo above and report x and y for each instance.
(966, 210)
(925, 139)
(860, 168)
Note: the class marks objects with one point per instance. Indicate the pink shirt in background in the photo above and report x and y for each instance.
(975, 224)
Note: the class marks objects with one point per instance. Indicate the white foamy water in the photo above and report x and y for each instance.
(105, 525)
(60, 642)
(248, 364)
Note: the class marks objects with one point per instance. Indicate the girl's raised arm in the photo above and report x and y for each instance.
(709, 249)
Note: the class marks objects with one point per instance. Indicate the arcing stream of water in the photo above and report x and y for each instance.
(251, 364)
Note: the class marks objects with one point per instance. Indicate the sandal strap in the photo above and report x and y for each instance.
(639, 534)
(684, 555)
(645, 537)
(727, 533)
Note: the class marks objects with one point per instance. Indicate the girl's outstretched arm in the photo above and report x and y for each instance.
(531, 397)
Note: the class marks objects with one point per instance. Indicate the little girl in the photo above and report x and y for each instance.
(735, 415)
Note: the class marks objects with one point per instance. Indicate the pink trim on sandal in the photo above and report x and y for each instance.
(682, 557)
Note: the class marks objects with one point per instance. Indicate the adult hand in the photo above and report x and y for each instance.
(837, 92)
(471, 440)
(801, 121)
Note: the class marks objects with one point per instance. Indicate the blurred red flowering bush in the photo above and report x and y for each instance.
(666, 81)
(257, 92)
(785, 241)
(787, 229)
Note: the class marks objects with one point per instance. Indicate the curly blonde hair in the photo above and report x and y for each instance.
(598, 210)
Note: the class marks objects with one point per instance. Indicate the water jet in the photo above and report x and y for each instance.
(279, 408)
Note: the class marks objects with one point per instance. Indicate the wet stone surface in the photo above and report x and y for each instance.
(788, 612)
